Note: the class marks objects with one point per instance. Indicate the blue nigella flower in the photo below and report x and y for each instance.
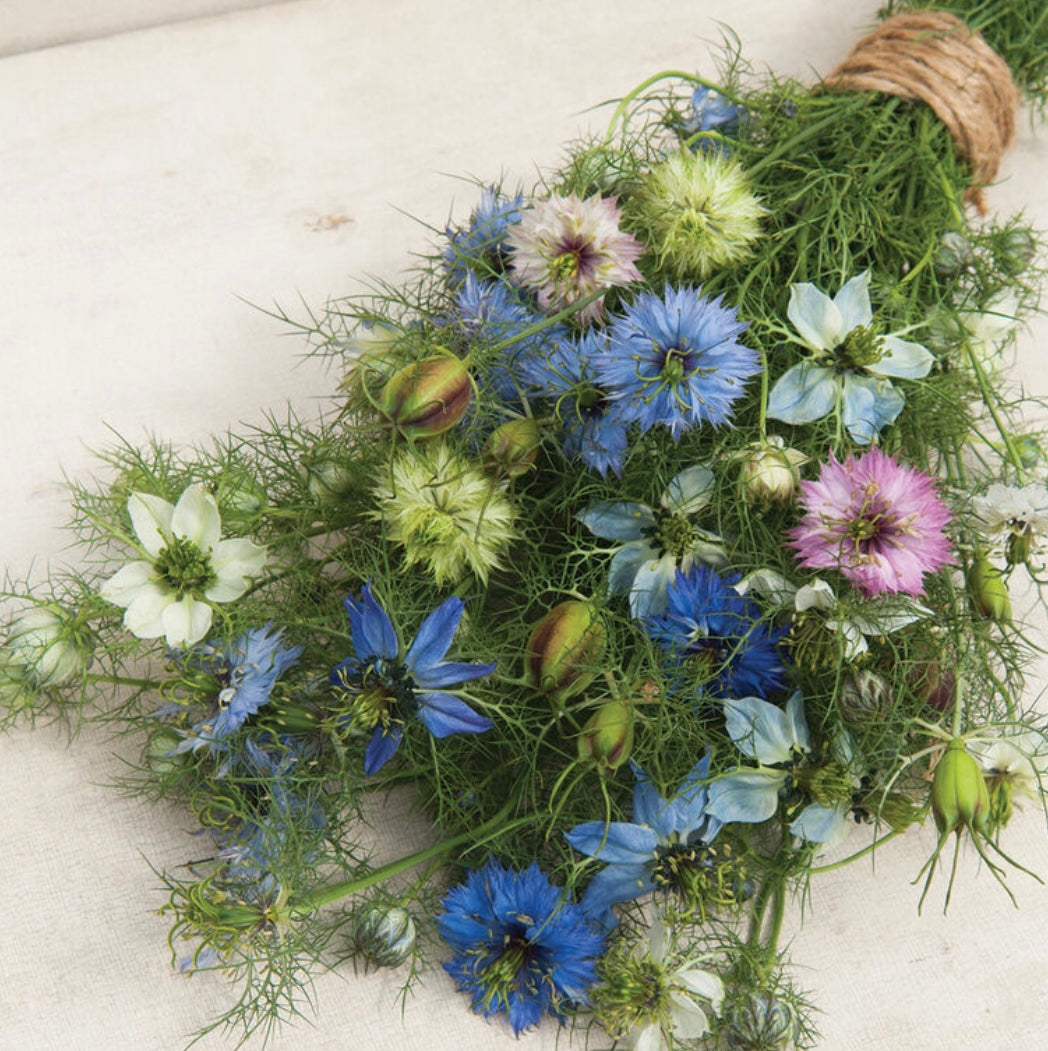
(780, 741)
(657, 541)
(480, 246)
(676, 361)
(594, 433)
(520, 948)
(246, 671)
(851, 367)
(710, 111)
(665, 838)
(491, 312)
(389, 685)
(709, 624)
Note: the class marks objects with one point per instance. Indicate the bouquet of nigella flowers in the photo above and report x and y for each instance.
(661, 544)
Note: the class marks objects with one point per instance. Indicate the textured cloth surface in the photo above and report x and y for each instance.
(154, 184)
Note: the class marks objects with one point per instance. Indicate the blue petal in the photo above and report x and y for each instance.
(372, 630)
(612, 885)
(750, 796)
(625, 563)
(450, 673)
(381, 749)
(618, 521)
(434, 636)
(759, 729)
(648, 595)
(617, 842)
(869, 405)
(444, 714)
(820, 824)
(803, 393)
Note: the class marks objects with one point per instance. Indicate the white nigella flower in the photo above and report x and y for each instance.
(659, 996)
(852, 365)
(657, 541)
(880, 615)
(1013, 763)
(991, 327)
(1014, 518)
(184, 570)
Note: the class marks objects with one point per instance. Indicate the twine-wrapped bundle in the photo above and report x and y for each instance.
(931, 56)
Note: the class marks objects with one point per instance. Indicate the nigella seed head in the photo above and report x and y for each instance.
(383, 935)
(761, 1022)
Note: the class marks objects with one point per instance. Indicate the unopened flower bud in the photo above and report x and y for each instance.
(769, 474)
(953, 254)
(866, 698)
(761, 1023)
(959, 795)
(240, 501)
(384, 935)
(428, 397)
(607, 737)
(1017, 251)
(564, 650)
(330, 480)
(988, 591)
(285, 716)
(513, 447)
(50, 643)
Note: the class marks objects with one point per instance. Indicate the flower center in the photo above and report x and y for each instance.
(183, 567)
(674, 534)
(702, 874)
(861, 347)
(381, 692)
(676, 365)
(829, 785)
(510, 975)
(634, 992)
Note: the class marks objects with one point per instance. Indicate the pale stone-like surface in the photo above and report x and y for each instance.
(154, 183)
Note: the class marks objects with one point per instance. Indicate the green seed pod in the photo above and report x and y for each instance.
(953, 254)
(160, 755)
(564, 649)
(607, 737)
(959, 795)
(428, 397)
(988, 591)
(384, 935)
(761, 1023)
(513, 448)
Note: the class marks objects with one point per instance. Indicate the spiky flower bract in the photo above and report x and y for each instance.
(386, 684)
(713, 631)
(447, 515)
(877, 521)
(676, 361)
(520, 948)
(696, 212)
(566, 248)
(245, 672)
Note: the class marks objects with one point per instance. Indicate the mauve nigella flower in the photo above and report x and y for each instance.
(880, 523)
(566, 248)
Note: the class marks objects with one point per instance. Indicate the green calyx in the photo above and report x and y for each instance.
(184, 568)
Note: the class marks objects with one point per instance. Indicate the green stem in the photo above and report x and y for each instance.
(991, 407)
(869, 849)
(303, 904)
(123, 680)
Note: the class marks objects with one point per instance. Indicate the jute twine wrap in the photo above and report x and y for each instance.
(933, 57)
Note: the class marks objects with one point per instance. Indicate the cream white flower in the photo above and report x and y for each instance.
(678, 1015)
(1014, 518)
(186, 568)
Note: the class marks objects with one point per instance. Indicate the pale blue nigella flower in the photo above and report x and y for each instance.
(246, 671)
(776, 737)
(710, 111)
(657, 541)
(643, 854)
(480, 247)
(388, 684)
(852, 367)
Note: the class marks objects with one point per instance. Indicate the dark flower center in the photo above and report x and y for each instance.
(673, 534)
(382, 692)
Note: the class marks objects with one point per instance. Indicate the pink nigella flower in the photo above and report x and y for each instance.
(566, 248)
(878, 522)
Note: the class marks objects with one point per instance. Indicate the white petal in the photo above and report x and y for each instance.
(816, 595)
(702, 983)
(903, 359)
(122, 587)
(235, 562)
(773, 586)
(196, 517)
(853, 301)
(186, 621)
(689, 1020)
(855, 644)
(798, 723)
(689, 492)
(648, 594)
(151, 520)
(649, 1038)
(816, 317)
(144, 616)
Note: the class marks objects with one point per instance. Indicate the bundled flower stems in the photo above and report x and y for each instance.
(669, 537)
